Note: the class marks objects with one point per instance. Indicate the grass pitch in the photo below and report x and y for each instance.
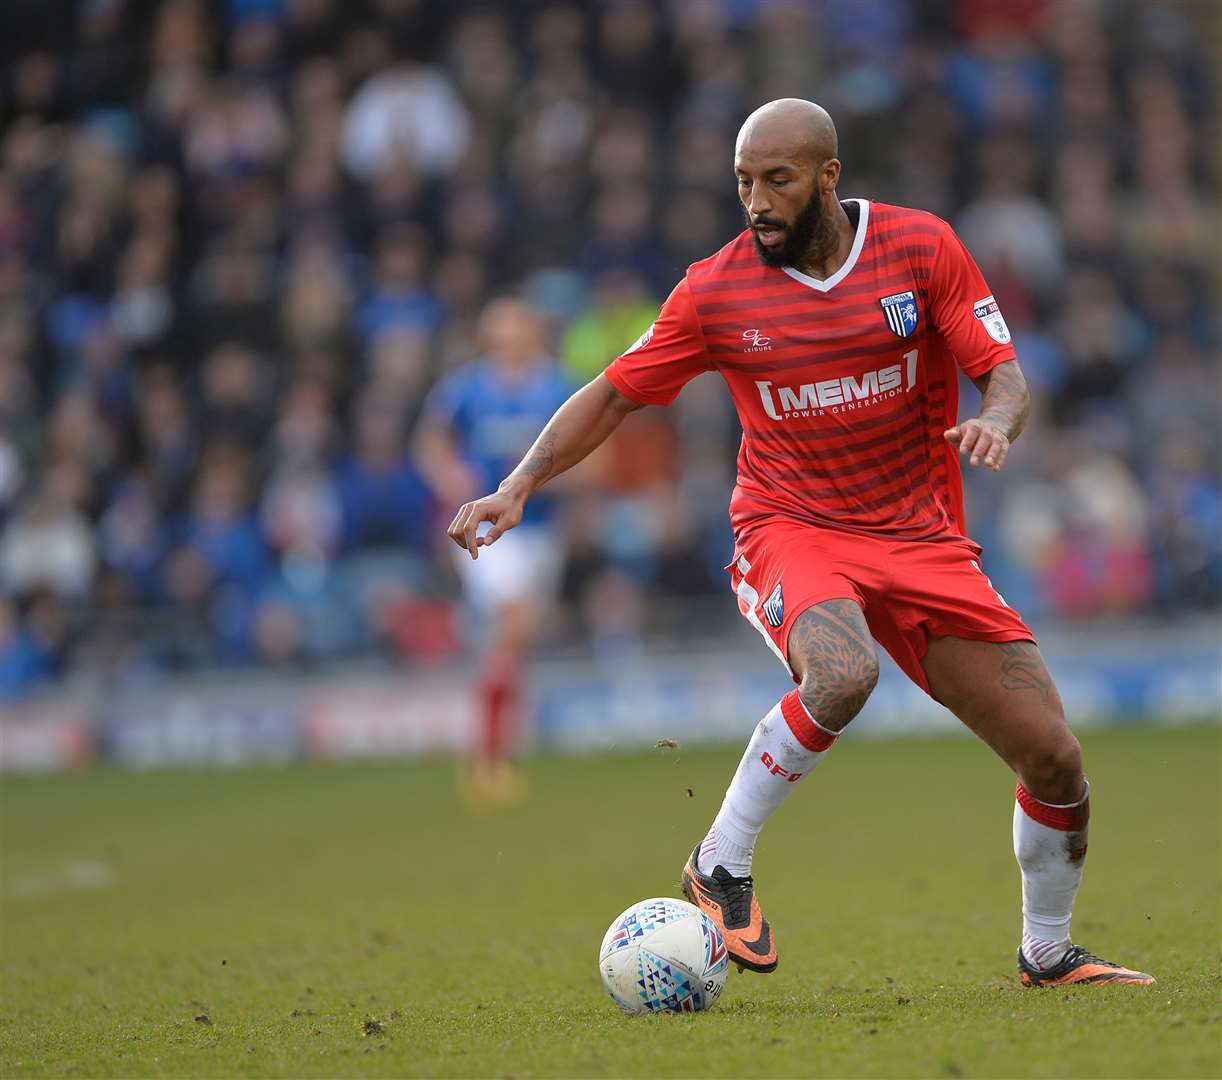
(320, 920)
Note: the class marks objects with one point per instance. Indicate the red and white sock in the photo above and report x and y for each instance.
(785, 747)
(1050, 845)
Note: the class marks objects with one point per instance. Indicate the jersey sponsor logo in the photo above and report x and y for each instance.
(642, 341)
(838, 395)
(757, 343)
(900, 311)
(988, 312)
(774, 607)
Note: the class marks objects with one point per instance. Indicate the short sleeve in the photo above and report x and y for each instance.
(964, 311)
(666, 357)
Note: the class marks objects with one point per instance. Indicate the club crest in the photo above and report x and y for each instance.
(774, 607)
(900, 311)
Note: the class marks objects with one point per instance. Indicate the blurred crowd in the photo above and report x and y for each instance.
(241, 241)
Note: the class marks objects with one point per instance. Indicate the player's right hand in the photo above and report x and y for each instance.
(502, 509)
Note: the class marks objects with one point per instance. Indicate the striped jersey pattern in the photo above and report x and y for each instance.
(843, 386)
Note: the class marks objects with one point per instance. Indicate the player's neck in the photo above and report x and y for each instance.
(832, 243)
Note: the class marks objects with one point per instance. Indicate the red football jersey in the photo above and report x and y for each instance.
(843, 386)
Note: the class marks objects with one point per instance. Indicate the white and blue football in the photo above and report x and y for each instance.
(663, 955)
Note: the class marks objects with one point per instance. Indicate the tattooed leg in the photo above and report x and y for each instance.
(1003, 692)
(831, 651)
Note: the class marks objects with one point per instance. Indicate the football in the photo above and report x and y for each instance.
(663, 955)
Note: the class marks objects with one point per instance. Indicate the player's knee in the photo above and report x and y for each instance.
(835, 699)
(1054, 772)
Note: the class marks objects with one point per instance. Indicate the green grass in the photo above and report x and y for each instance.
(289, 906)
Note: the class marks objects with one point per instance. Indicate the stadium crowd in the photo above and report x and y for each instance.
(241, 241)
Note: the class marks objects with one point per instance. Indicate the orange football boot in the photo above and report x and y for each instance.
(1079, 967)
(730, 902)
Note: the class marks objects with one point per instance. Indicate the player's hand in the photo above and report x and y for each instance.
(984, 440)
(502, 509)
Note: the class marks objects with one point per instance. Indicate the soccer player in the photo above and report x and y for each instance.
(477, 423)
(839, 327)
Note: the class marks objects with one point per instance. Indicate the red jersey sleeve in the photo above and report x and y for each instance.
(666, 357)
(964, 311)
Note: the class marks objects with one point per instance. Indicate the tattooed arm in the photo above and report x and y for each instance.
(580, 425)
(1004, 407)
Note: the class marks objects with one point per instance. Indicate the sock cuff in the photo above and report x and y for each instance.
(805, 728)
(1068, 817)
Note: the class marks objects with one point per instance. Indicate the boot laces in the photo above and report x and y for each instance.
(736, 893)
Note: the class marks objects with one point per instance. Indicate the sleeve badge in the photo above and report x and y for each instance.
(990, 315)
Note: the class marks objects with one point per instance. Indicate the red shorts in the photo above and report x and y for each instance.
(910, 590)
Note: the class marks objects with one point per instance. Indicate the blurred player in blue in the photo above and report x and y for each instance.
(478, 423)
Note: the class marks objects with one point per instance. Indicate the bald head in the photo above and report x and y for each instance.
(786, 166)
(788, 127)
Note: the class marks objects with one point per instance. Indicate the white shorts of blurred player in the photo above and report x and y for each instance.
(524, 564)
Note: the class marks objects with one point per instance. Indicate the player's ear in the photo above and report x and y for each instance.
(829, 175)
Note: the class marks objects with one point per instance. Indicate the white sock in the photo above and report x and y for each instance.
(786, 745)
(1050, 845)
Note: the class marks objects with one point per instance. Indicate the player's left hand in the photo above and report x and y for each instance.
(984, 440)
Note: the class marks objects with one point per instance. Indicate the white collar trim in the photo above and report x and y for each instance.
(859, 240)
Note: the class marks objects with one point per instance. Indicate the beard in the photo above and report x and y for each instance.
(810, 225)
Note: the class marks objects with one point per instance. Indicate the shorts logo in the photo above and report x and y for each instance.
(990, 315)
(774, 608)
(900, 311)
